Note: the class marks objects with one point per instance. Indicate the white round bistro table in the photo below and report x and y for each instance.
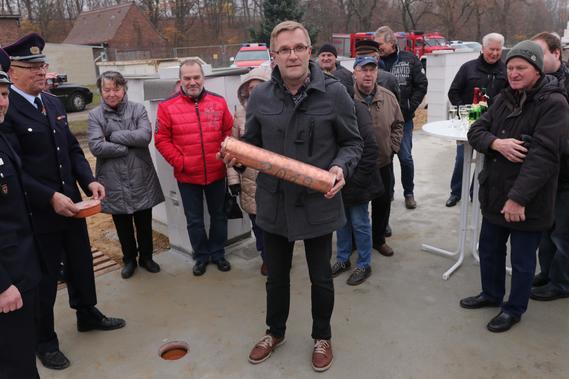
(449, 131)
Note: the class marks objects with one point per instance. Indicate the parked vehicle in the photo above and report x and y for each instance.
(73, 96)
(418, 43)
(466, 45)
(251, 55)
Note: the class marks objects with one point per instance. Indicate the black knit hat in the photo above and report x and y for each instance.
(529, 51)
(327, 48)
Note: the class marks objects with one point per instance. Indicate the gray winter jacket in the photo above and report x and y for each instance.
(320, 130)
(119, 140)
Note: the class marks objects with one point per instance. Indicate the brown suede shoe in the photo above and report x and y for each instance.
(384, 250)
(410, 202)
(264, 348)
(322, 356)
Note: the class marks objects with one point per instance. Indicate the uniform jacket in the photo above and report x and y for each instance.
(543, 114)
(387, 122)
(52, 159)
(119, 139)
(365, 184)
(320, 130)
(412, 81)
(19, 258)
(481, 74)
(189, 132)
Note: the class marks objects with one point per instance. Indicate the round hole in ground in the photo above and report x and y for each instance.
(173, 350)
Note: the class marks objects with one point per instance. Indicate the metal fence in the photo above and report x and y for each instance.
(216, 55)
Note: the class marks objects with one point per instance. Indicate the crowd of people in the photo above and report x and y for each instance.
(350, 124)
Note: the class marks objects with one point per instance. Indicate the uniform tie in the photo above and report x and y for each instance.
(39, 105)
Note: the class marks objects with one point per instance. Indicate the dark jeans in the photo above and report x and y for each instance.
(18, 339)
(554, 246)
(381, 208)
(492, 248)
(212, 247)
(73, 248)
(456, 180)
(259, 243)
(278, 256)
(406, 159)
(125, 223)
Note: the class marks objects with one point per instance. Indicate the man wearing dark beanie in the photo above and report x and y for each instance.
(520, 135)
(327, 61)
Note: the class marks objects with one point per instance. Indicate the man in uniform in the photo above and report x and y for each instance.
(19, 260)
(53, 164)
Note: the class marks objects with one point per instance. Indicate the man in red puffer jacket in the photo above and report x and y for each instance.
(190, 127)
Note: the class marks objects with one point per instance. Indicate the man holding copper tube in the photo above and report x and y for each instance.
(306, 115)
(53, 164)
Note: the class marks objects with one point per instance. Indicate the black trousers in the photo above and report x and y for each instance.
(278, 257)
(381, 207)
(125, 225)
(18, 340)
(70, 246)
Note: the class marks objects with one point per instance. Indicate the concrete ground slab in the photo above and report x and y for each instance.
(403, 322)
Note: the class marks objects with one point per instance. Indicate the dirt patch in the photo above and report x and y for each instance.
(102, 231)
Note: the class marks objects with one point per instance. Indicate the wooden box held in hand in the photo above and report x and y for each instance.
(278, 165)
(88, 208)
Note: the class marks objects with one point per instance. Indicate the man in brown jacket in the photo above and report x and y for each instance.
(388, 129)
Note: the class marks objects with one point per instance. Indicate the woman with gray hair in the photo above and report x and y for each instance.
(119, 133)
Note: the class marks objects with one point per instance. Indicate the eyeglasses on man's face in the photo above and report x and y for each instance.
(38, 68)
(285, 51)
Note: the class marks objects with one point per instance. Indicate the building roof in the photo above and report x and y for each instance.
(98, 26)
(10, 16)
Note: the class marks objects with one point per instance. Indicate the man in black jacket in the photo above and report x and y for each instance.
(19, 258)
(553, 280)
(306, 115)
(487, 72)
(413, 84)
(53, 164)
(521, 137)
(327, 56)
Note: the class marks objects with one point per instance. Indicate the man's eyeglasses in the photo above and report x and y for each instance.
(43, 66)
(297, 50)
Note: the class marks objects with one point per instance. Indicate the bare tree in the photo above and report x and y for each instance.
(152, 8)
(412, 11)
(182, 12)
(454, 15)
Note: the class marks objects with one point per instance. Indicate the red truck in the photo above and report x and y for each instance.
(418, 43)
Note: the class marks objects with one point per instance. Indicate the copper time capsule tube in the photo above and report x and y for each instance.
(278, 165)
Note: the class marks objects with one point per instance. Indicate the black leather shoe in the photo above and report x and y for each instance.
(149, 265)
(92, 319)
(359, 275)
(540, 280)
(199, 268)
(223, 264)
(452, 201)
(128, 269)
(479, 301)
(547, 292)
(502, 322)
(388, 231)
(54, 360)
